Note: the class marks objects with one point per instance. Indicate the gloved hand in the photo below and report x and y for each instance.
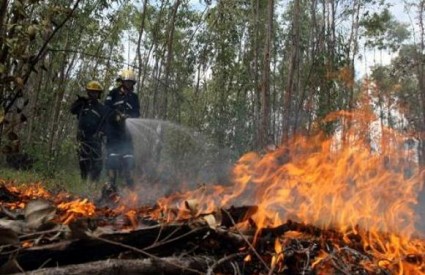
(78, 102)
(120, 117)
(99, 135)
(81, 98)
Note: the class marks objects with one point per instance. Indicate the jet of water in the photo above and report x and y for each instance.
(170, 157)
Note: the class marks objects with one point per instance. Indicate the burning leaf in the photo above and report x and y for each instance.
(76, 208)
(211, 221)
(38, 213)
(192, 205)
(8, 236)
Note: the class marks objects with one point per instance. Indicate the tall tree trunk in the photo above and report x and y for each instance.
(139, 48)
(353, 45)
(64, 75)
(157, 67)
(265, 85)
(293, 65)
(169, 59)
(33, 107)
(257, 88)
(302, 112)
(421, 79)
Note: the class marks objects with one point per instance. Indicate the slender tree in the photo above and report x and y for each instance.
(264, 127)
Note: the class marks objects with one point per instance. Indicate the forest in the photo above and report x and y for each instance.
(310, 96)
(243, 73)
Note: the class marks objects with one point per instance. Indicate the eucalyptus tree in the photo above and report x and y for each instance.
(383, 32)
(26, 31)
(319, 67)
(51, 51)
(420, 70)
(406, 73)
(229, 89)
(264, 127)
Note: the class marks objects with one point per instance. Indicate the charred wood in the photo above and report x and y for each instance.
(235, 215)
(160, 240)
(8, 196)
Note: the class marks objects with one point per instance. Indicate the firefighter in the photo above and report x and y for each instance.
(91, 115)
(123, 103)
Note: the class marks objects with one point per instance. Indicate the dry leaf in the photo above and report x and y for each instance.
(192, 206)
(39, 212)
(211, 221)
(16, 226)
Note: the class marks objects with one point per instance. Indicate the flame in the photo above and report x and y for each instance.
(360, 185)
(278, 257)
(26, 192)
(32, 191)
(363, 181)
(132, 216)
(76, 208)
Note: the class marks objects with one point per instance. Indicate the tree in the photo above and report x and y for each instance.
(264, 128)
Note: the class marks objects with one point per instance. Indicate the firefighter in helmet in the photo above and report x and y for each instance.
(91, 115)
(123, 103)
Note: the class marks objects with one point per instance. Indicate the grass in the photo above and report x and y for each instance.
(68, 181)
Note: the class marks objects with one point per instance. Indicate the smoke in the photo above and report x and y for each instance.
(171, 158)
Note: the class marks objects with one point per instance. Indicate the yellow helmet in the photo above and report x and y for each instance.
(127, 74)
(94, 86)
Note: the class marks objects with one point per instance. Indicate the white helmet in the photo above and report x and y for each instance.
(127, 74)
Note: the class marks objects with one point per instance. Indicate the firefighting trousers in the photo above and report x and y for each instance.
(120, 160)
(90, 159)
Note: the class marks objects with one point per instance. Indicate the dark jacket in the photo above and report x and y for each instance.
(91, 115)
(126, 103)
(121, 106)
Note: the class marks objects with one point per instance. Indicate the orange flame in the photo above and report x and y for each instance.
(76, 208)
(364, 180)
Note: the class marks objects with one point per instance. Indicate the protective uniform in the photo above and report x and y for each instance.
(91, 116)
(124, 104)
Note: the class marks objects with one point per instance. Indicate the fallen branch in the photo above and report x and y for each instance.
(168, 265)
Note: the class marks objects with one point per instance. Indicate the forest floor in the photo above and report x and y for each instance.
(68, 181)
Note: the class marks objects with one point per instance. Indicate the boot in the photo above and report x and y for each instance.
(109, 192)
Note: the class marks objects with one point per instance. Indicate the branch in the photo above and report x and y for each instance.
(37, 58)
(143, 252)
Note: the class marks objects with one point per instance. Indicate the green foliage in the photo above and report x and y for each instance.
(402, 77)
(382, 31)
